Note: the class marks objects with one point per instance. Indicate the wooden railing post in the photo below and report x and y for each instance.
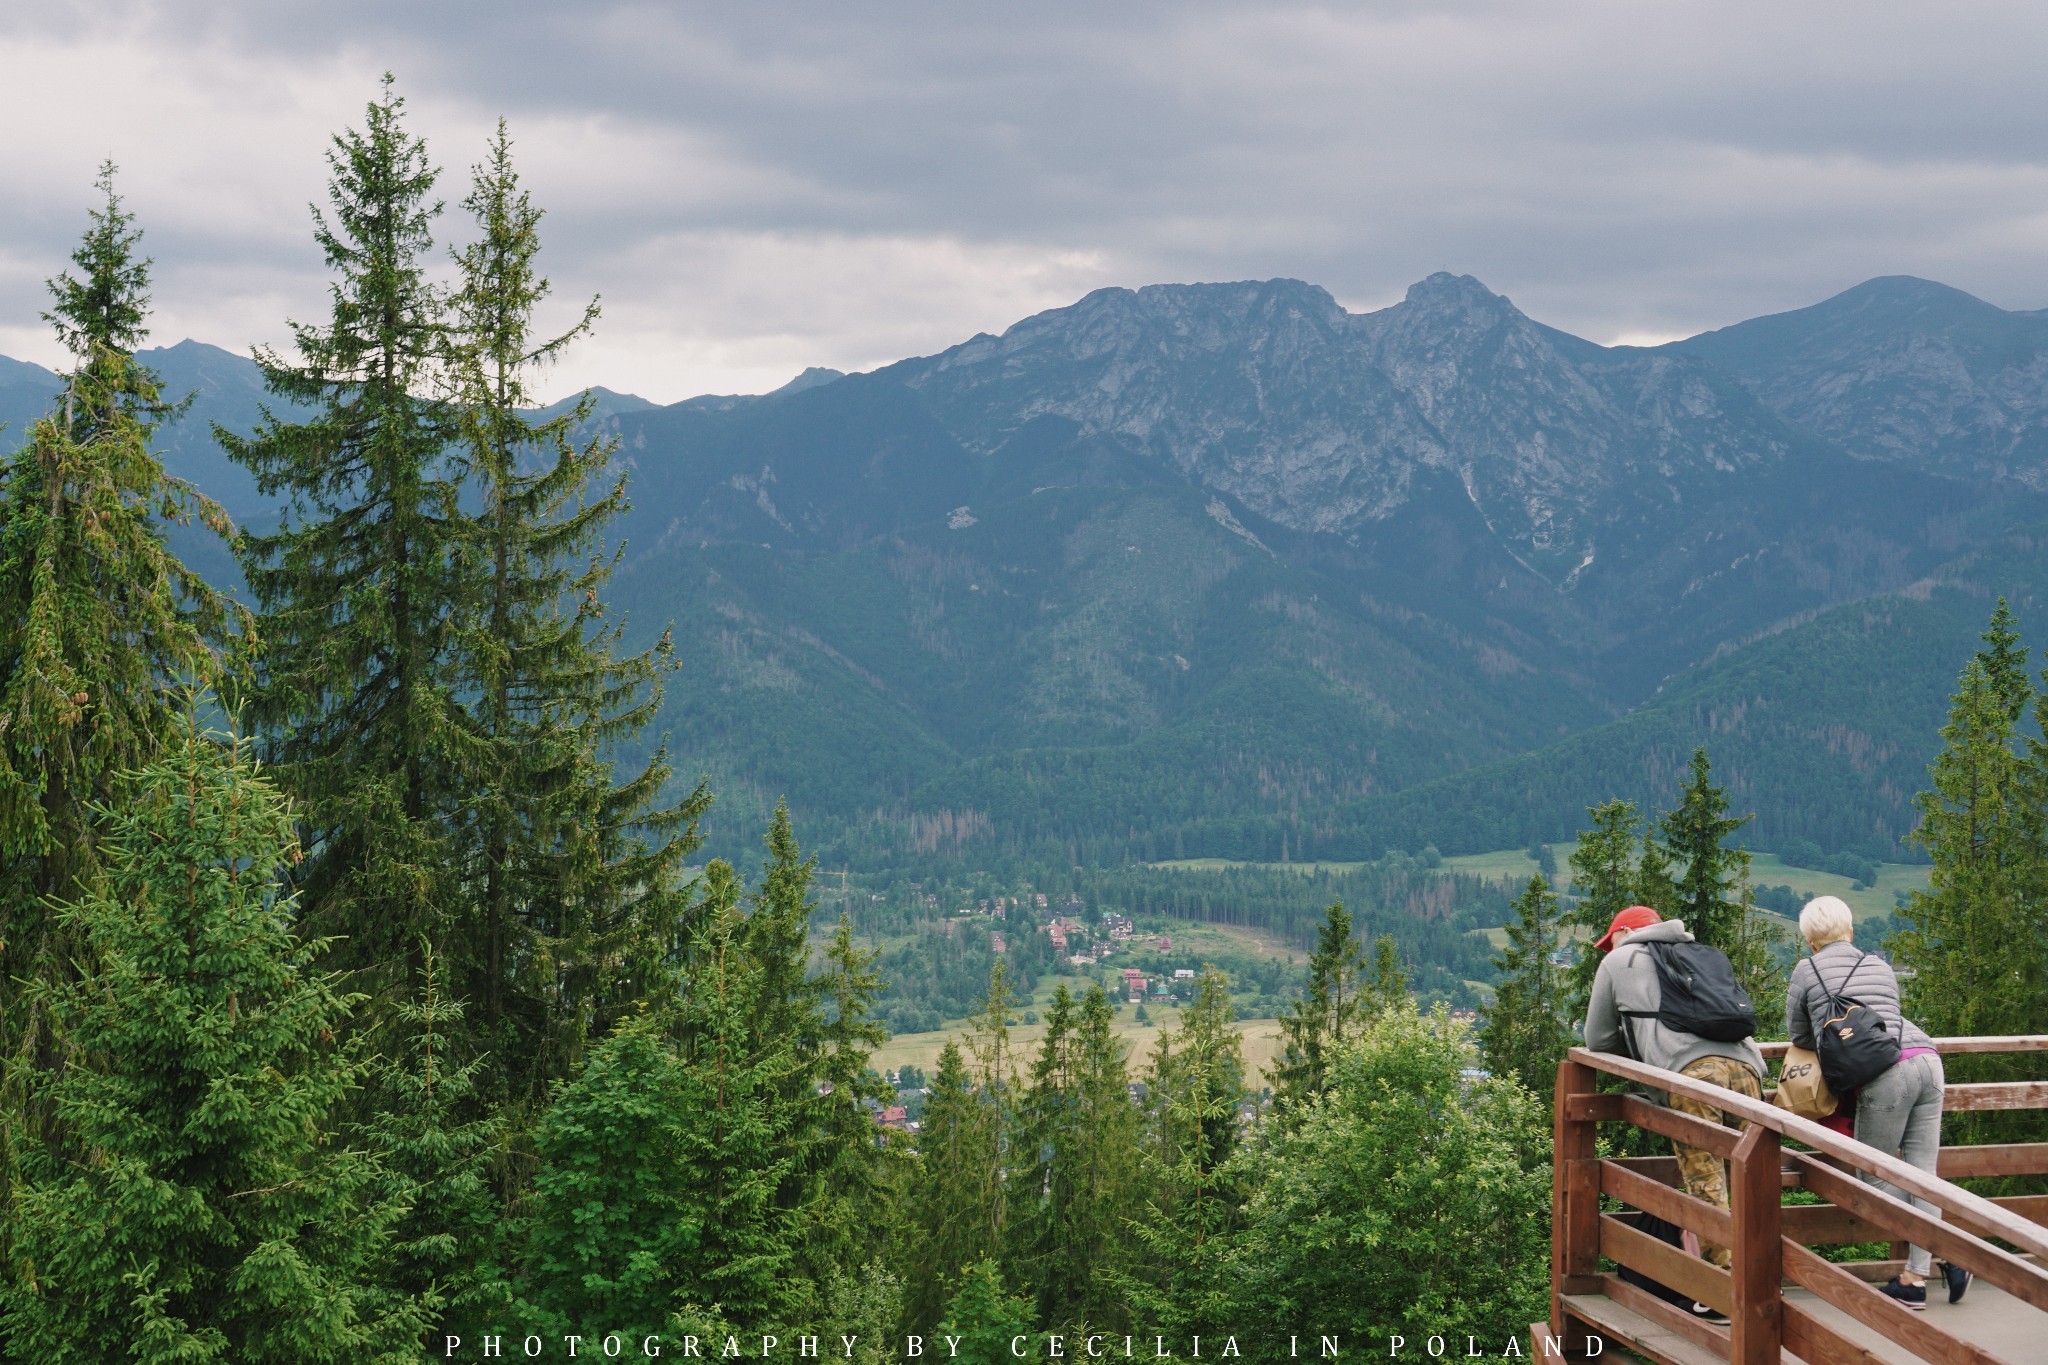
(1759, 1264)
(1574, 1203)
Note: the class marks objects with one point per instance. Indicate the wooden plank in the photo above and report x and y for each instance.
(1664, 1263)
(1813, 1341)
(1673, 1206)
(1827, 1225)
(1664, 1170)
(1595, 1108)
(1988, 1095)
(1694, 1332)
(1574, 1199)
(1960, 1205)
(1754, 1199)
(1678, 1321)
(1693, 1132)
(1993, 1158)
(2032, 1207)
(2030, 1042)
(1889, 1318)
(1952, 1242)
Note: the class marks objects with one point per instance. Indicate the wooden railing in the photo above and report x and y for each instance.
(1770, 1241)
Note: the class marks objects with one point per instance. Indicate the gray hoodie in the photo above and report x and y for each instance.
(1628, 981)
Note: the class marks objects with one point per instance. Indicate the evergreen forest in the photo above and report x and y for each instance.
(367, 993)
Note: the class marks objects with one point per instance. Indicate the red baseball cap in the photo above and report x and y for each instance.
(1635, 917)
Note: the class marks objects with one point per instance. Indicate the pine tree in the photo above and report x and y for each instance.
(615, 1216)
(1318, 1024)
(446, 1249)
(576, 872)
(1387, 988)
(982, 1320)
(1102, 1169)
(1981, 902)
(1040, 1189)
(100, 624)
(1525, 1032)
(957, 1146)
(358, 586)
(2005, 662)
(188, 1201)
(1694, 835)
(739, 1130)
(989, 1040)
(1197, 1090)
(1605, 882)
(858, 1175)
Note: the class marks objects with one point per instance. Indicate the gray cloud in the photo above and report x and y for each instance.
(758, 187)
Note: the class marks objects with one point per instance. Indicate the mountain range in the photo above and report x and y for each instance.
(1225, 569)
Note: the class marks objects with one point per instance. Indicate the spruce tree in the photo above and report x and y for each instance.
(188, 1199)
(1693, 838)
(1971, 944)
(1040, 1188)
(100, 624)
(1526, 1032)
(1092, 1228)
(1604, 883)
(576, 872)
(949, 1224)
(447, 1249)
(358, 586)
(1387, 987)
(1318, 1024)
(1197, 1090)
(740, 1133)
(982, 1320)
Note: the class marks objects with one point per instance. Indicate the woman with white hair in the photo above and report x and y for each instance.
(1899, 1111)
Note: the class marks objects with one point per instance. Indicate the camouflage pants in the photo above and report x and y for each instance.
(1706, 1175)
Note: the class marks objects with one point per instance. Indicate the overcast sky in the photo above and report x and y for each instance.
(755, 186)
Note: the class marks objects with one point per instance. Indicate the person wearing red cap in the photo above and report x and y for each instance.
(1621, 1016)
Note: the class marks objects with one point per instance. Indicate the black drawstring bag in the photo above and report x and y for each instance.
(1856, 1046)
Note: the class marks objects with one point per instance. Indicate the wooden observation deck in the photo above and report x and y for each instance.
(1784, 1302)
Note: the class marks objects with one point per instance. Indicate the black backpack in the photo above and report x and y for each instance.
(1856, 1046)
(1698, 993)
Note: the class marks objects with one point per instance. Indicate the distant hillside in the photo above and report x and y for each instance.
(1227, 570)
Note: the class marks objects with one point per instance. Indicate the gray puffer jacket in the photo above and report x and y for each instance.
(1843, 968)
(1627, 984)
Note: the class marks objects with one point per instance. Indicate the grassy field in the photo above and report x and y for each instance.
(1262, 1045)
(1261, 1036)
(1514, 866)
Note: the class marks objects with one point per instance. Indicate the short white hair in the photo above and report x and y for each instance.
(1825, 920)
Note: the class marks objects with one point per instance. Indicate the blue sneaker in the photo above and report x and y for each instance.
(1958, 1280)
(1914, 1296)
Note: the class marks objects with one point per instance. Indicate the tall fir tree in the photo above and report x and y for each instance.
(1102, 1172)
(358, 586)
(1693, 837)
(1526, 1031)
(101, 625)
(1605, 881)
(1970, 929)
(576, 872)
(982, 1320)
(189, 1200)
(1197, 1089)
(1387, 987)
(447, 1250)
(949, 1221)
(1318, 1024)
(1974, 934)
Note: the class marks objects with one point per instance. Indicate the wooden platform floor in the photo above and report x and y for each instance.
(1987, 1317)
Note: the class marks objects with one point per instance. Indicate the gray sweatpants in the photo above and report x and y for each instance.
(1899, 1113)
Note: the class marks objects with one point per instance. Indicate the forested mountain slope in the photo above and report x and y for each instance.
(1224, 568)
